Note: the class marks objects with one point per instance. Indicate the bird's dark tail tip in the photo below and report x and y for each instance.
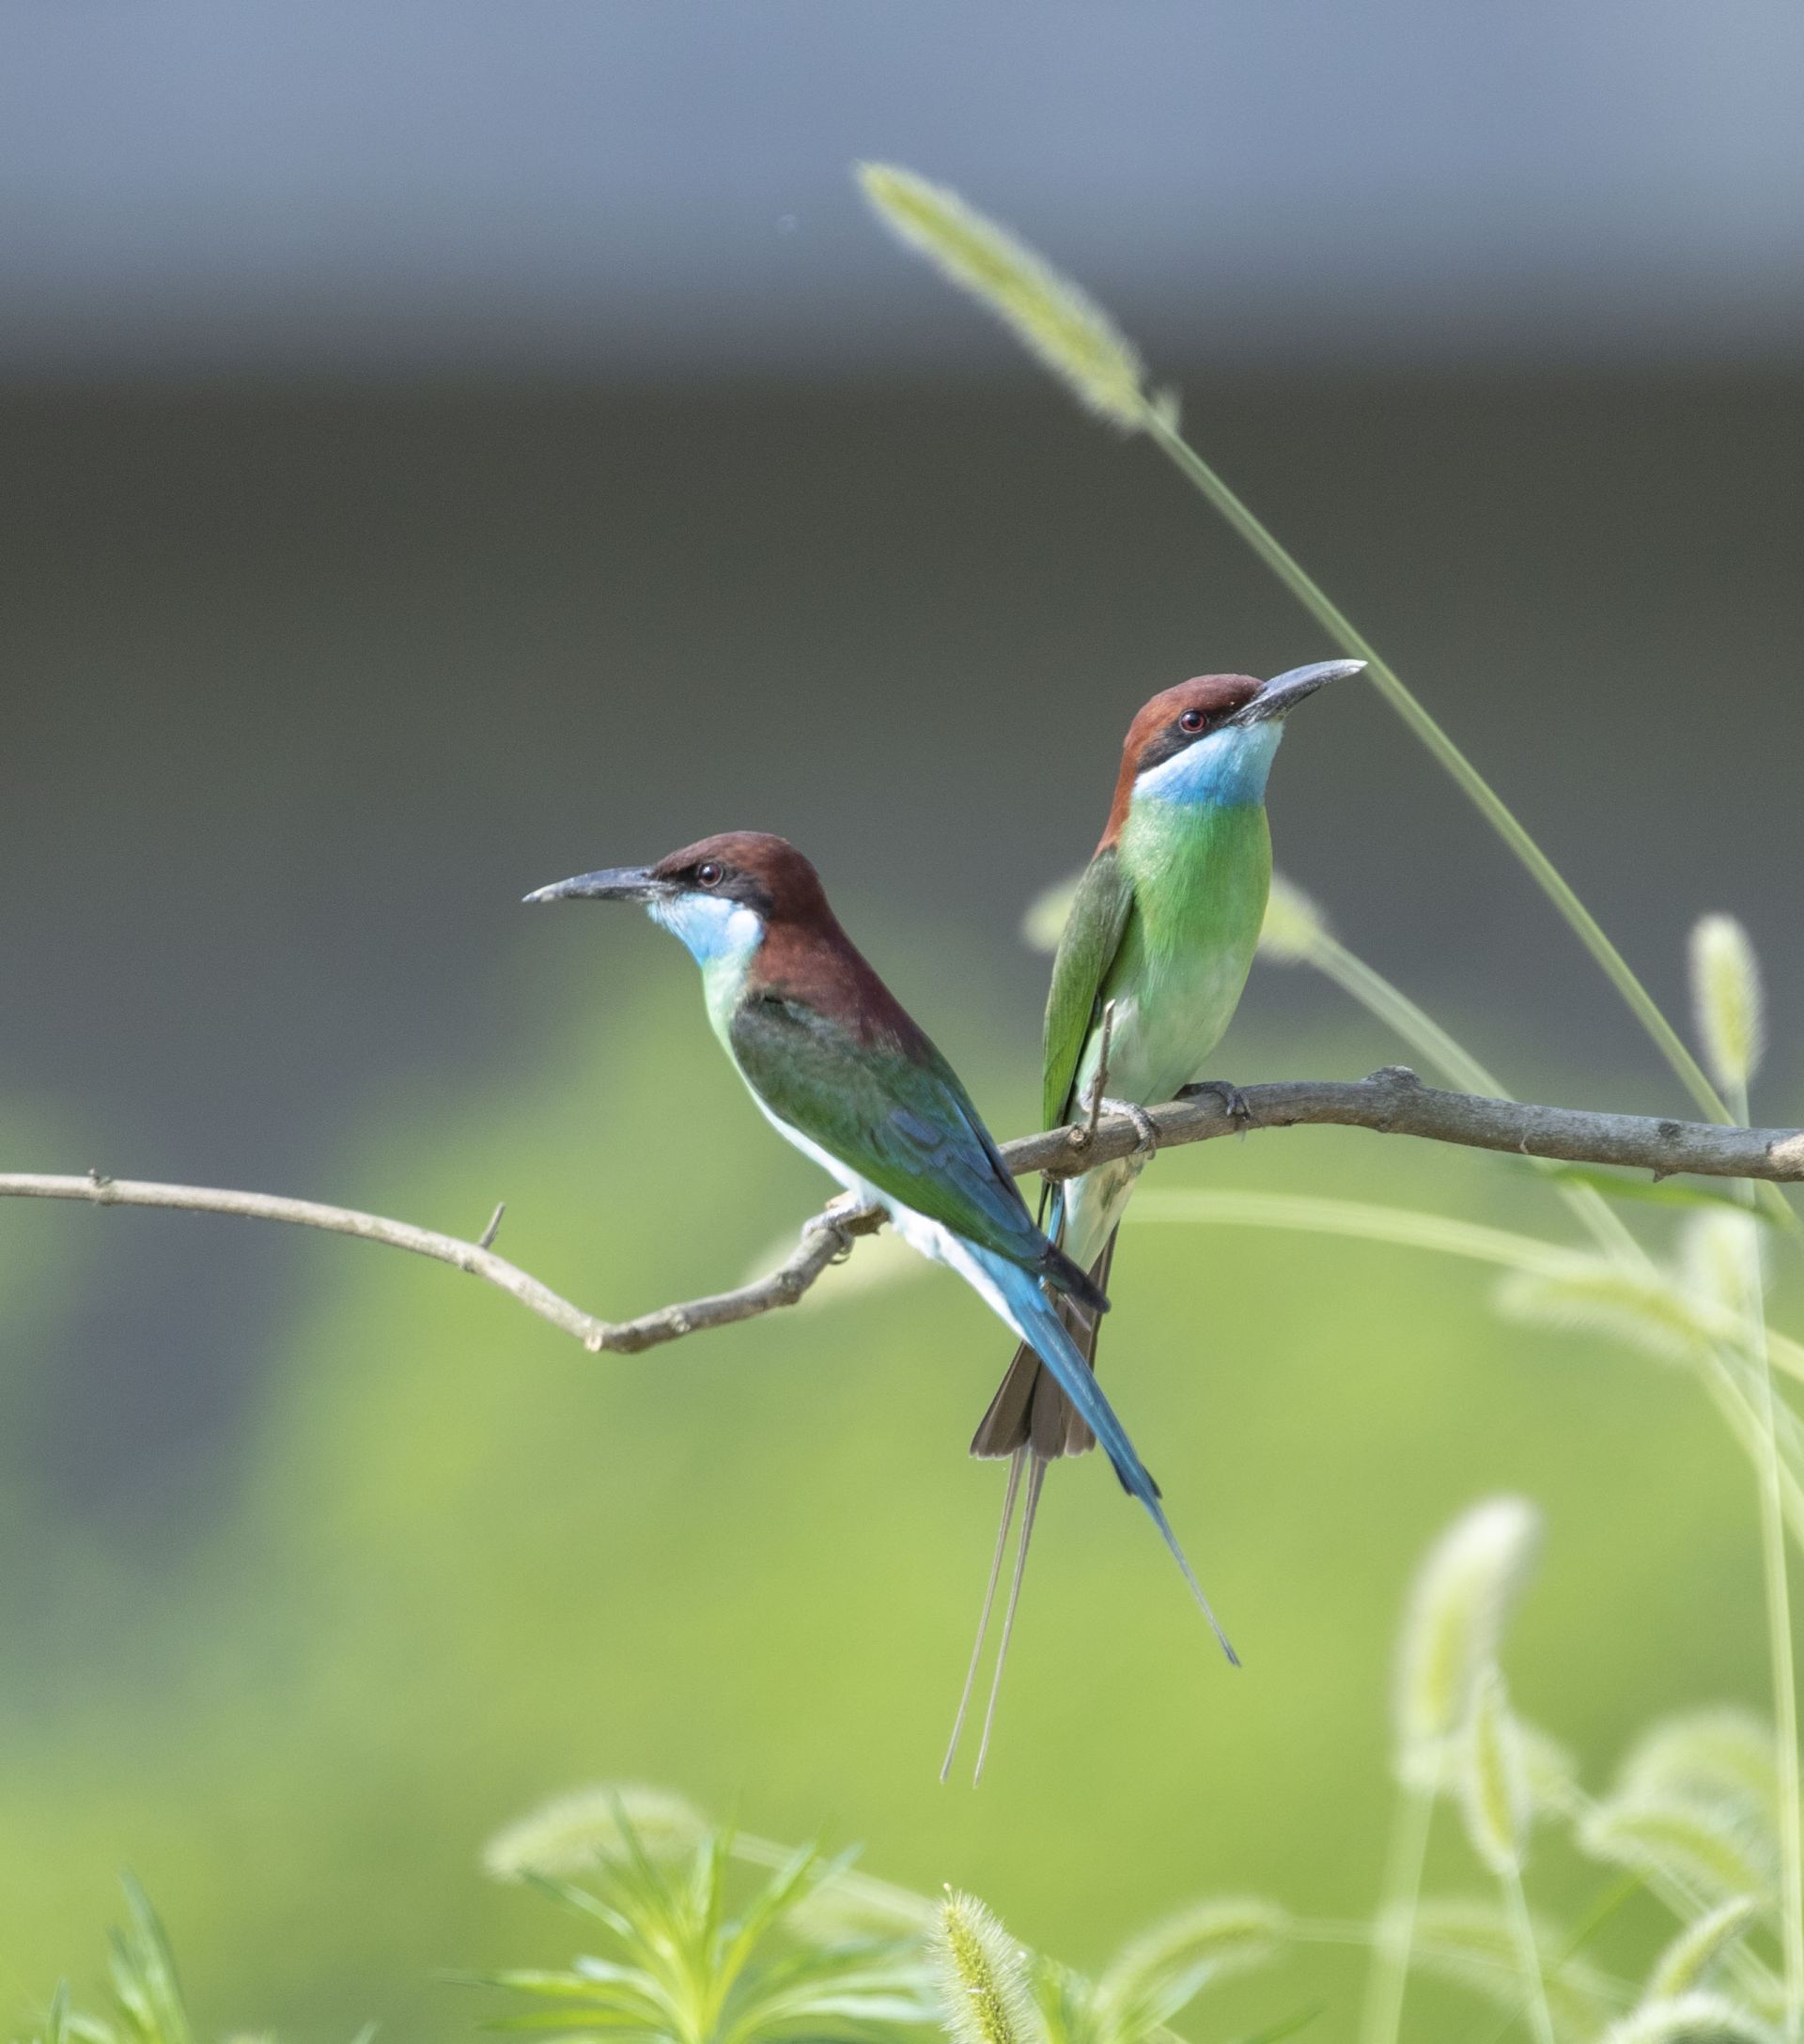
(1164, 1526)
(1071, 1278)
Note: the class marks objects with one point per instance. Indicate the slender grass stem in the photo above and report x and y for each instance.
(1387, 1979)
(1365, 1220)
(1412, 1022)
(1588, 1928)
(1490, 805)
(1686, 1902)
(1332, 1930)
(1778, 1635)
(1392, 1006)
(1387, 1002)
(1752, 1420)
(1496, 812)
(1740, 1411)
(1780, 1651)
(1522, 1925)
(1074, 339)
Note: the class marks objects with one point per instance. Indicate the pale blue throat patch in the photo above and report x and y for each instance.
(717, 931)
(722, 935)
(1229, 766)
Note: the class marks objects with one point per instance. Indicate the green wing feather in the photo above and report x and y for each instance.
(1100, 911)
(905, 1123)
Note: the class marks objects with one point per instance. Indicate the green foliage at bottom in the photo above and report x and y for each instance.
(450, 1562)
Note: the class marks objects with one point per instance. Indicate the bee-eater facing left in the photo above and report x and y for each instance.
(840, 1070)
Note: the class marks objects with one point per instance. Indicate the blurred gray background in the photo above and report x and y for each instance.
(650, 187)
(450, 444)
(444, 447)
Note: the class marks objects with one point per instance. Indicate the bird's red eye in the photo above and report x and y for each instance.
(710, 873)
(1191, 721)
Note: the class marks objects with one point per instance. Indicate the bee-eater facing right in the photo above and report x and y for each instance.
(1150, 968)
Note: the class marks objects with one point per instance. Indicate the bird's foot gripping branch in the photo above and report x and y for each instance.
(1391, 1102)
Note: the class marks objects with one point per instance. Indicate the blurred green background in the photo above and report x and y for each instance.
(321, 1565)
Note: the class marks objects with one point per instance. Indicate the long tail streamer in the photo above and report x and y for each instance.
(1036, 1476)
(1039, 1326)
(1015, 1463)
(1038, 1323)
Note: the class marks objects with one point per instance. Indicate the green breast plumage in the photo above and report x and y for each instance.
(1199, 873)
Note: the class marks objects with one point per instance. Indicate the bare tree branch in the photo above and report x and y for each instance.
(1394, 1102)
(1391, 1102)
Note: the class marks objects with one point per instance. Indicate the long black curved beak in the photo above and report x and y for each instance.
(613, 884)
(1282, 694)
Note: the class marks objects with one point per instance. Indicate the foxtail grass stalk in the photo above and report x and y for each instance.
(1314, 943)
(1080, 345)
(1483, 797)
(1408, 1228)
(1689, 1905)
(983, 1975)
(1784, 1673)
(1776, 1578)
(1727, 1002)
(1590, 1925)
(1752, 1421)
(1412, 1022)
(1494, 1792)
(1161, 429)
(1307, 940)
(1416, 1026)
(1381, 2019)
(1522, 1923)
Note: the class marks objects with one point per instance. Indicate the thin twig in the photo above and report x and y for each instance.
(1391, 1102)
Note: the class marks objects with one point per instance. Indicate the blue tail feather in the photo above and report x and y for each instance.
(1037, 1324)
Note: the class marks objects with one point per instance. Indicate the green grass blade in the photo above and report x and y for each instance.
(1483, 797)
(1288, 2027)
(1363, 1220)
(1039, 304)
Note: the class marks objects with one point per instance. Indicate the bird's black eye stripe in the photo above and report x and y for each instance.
(710, 873)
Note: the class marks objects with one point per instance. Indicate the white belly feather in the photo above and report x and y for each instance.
(927, 1237)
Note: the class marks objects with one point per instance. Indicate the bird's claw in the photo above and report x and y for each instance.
(1235, 1104)
(1144, 1127)
(834, 1219)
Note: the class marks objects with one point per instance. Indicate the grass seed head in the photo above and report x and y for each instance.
(1726, 998)
(1720, 1754)
(1055, 321)
(1047, 915)
(1455, 1624)
(1474, 1945)
(1687, 1961)
(1493, 1779)
(1550, 1770)
(1173, 1960)
(1644, 1309)
(588, 1828)
(983, 1975)
(1717, 1259)
(1294, 927)
(1689, 2019)
(1707, 1849)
